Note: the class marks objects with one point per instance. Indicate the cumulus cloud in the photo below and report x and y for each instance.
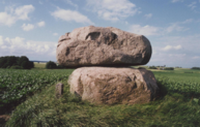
(22, 12)
(20, 46)
(41, 24)
(113, 10)
(175, 50)
(7, 19)
(169, 47)
(144, 30)
(148, 15)
(11, 15)
(69, 15)
(27, 27)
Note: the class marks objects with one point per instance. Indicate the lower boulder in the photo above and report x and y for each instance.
(106, 85)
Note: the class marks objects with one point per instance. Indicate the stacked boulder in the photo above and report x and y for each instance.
(103, 57)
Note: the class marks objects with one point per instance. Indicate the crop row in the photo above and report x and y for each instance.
(189, 89)
(17, 84)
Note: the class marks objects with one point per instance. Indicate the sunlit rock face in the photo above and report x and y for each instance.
(109, 85)
(99, 46)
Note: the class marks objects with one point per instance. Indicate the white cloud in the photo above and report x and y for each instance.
(177, 47)
(11, 15)
(1, 40)
(175, 27)
(20, 46)
(55, 34)
(7, 19)
(178, 50)
(178, 26)
(113, 10)
(71, 3)
(27, 27)
(169, 47)
(22, 12)
(69, 15)
(196, 57)
(144, 30)
(41, 24)
(126, 23)
(174, 1)
(192, 5)
(177, 55)
(148, 15)
(17, 41)
(7, 39)
(187, 21)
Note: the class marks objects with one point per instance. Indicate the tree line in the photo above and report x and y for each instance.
(14, 62)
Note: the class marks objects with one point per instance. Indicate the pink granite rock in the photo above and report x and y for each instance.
(106, 85)
(98, 46)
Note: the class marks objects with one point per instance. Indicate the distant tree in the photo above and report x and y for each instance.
(31, 64)
(152, 67)
(16, 67)
(25, 65)
(169, 68)
(22, 59)
(196, 68)
(3, 62)
(60, 67)
(9, 61)
(51, 65)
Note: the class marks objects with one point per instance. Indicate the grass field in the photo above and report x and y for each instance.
(178, 105)
(179, 75)
(39, 65)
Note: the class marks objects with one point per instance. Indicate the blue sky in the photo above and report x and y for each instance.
(32, 27)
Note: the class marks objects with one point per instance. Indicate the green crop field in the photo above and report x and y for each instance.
(30, 94)
(179, 75)
(15, 85)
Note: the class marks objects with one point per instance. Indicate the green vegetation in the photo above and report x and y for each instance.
(39, 65)
(51, 65)
(16, 85)
(196, 68)
(178, 104)
(168, 68)
(14, 62)
(179, 75)
(152, 67)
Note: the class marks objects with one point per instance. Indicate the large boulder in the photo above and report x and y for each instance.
(106, 85)
(98, 46)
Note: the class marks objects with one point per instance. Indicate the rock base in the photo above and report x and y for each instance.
(104, 85)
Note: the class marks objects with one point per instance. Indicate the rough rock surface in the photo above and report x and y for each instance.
(98, 46)
(106, 85)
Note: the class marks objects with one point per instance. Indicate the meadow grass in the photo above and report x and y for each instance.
(179, 75)
(39, 65)
(177, 105)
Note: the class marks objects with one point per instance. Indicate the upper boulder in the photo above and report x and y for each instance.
(98, 46)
